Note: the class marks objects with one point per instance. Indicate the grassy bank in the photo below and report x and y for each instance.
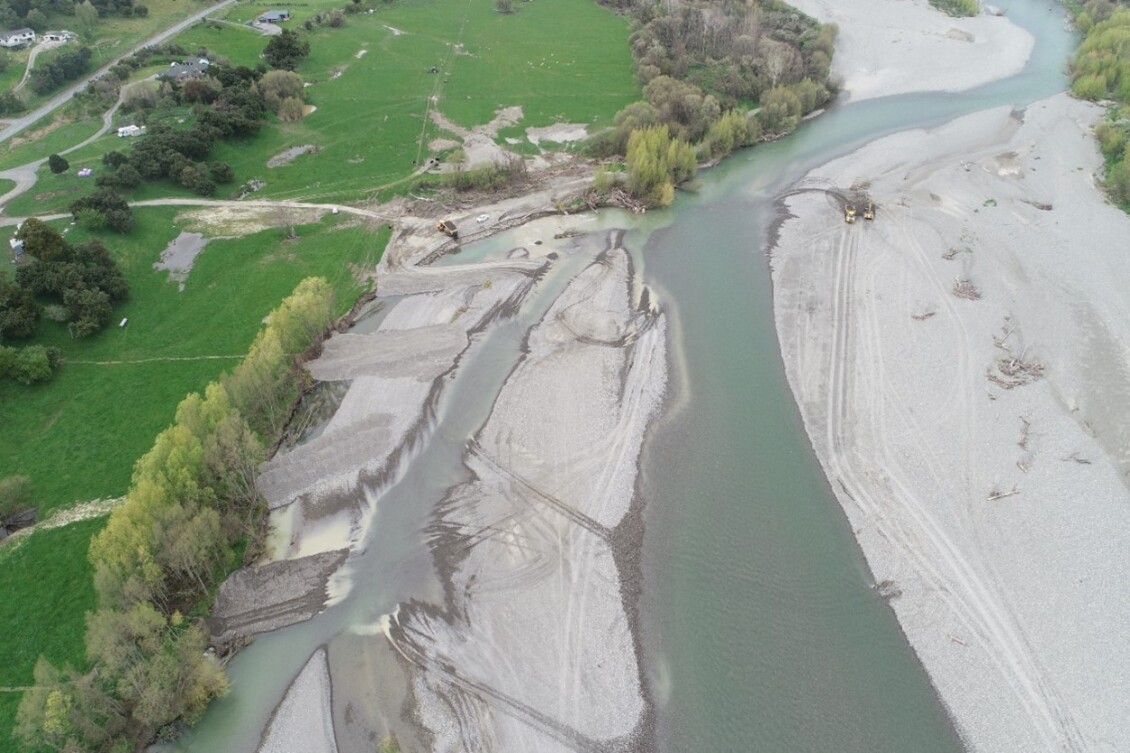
(78, 436)
(44, 594)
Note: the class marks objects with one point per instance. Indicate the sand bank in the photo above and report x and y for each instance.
(303, 720)
(533, 648)
(888, 47)
(962, 368)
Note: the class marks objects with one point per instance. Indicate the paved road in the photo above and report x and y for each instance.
(21, 123)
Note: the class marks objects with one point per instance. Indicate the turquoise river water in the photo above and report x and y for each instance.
(761, 632)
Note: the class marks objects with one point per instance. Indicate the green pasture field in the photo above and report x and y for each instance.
(66, 128)
(46, 590)
(562, 60)
(51, 193)
(79, 435)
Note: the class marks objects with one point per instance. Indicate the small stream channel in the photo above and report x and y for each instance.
(761, 630)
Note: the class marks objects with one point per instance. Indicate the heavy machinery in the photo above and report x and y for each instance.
(869, 210)
(447, 227)
(849, 213)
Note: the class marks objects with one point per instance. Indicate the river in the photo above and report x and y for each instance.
(761, 630)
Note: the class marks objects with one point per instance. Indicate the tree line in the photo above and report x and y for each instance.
(1100, 71)
(717, 75)
(190, 515)
(38, 14)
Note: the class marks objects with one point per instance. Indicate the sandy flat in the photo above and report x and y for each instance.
(979, 444)
(533, 649)
(888, 47)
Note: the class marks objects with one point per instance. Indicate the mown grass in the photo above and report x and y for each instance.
(78, 436)
(45, 591)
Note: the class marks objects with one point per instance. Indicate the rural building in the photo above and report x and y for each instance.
(59, 36)
(182, 71)
(17, 248)
(274, 16)
(17, 38)
(130, 130)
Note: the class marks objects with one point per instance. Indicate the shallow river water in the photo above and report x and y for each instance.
(761, 631)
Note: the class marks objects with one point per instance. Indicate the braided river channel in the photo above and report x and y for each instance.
(759, 626)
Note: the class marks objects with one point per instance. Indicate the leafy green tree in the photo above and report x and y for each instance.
(41, 240)
(86, 17)
(656, 162)
(286, 51)
(66, 711)
(119, 216)
(19, 313)
(33, 364)
(114, 159)
(221, 172)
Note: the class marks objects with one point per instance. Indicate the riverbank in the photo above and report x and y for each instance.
(397, 371)
(960, 367)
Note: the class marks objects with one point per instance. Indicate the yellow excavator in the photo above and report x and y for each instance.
(869, 210)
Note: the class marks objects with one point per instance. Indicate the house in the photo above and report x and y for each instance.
(183, 71)
(17, 38)
(17, 246)
(274, 16)
(59, 36)
(130, 130)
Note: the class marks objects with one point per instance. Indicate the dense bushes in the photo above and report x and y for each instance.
(1101, 70)
(227, 104)
(192, 500)
(103, 208)
(734, 51)
(83, 281)
(656, 164)
(1101, 67)
(488, 177)
(67, 66)
(957, 7)
(704, 64)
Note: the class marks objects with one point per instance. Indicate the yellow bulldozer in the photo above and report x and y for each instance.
(447, 227)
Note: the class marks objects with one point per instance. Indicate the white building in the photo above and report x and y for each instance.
(17, 38)
(130, 130)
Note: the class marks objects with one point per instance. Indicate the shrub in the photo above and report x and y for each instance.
(58, 164)
(15, 495)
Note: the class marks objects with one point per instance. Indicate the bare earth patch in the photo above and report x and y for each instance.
(235, 221)
(179, 256)
(559, 133)
(289, 155)
(479, 145)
